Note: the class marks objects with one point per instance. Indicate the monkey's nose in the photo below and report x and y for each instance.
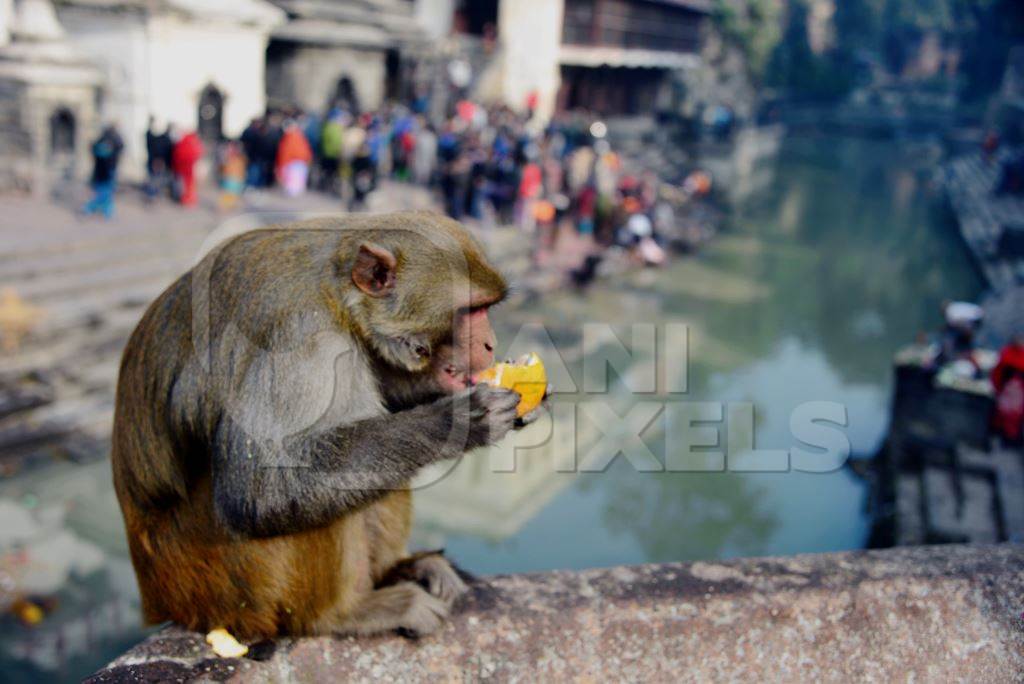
(488, 346)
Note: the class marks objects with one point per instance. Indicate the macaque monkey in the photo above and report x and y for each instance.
(273, 405)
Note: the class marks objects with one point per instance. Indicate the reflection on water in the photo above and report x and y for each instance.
(826, 269)
(63, 543)
(834, 261)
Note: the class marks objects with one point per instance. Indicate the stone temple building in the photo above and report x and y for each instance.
(616, 57)
(192, 63)
(48, 93)
(356, 52)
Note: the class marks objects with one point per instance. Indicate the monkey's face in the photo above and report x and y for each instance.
(471, 350)
(426, 302)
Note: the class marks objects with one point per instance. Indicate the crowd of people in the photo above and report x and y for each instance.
(171, 160)
(489, 165)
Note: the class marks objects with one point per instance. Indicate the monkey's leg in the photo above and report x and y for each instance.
(388, 523)
(405, 606)
(432, 571)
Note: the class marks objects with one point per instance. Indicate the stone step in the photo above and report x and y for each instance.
(969, 183)
(92, 308)
(73, 348)
(23, 394)
(54, 423)
(73, 236)
(59, 288)
(94, 257)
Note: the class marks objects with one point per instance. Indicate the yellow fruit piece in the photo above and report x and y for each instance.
(225, 645)
(526, 376)
(28, 612)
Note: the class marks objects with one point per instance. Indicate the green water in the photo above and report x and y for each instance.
(840, 257)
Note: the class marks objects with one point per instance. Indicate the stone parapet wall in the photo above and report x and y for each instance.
(941, 613)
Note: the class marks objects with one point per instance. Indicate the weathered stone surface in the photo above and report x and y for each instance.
(947, 613)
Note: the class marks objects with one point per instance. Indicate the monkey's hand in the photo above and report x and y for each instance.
(486, 413)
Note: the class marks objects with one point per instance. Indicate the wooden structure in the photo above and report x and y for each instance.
(939, 476)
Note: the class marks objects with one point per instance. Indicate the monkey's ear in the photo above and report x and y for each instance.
(374, 270)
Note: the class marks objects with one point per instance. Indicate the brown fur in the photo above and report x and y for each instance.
(265, 587)
(328, 574)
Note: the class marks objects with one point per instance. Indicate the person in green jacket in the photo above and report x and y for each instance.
(331, 144)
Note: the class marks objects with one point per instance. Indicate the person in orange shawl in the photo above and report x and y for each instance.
(233, 167)
(187, 152)
(293, 157)
(1008, 380)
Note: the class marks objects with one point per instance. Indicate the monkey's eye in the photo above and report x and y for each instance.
(477, 308)
(419, 347)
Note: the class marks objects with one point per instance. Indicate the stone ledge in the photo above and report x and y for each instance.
(924, 613)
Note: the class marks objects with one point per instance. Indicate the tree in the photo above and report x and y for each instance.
(753, 26)
(795, 67)
(773, 36)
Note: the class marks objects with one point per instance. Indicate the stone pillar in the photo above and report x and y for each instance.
(41, 75)
(6, 18)
(530, 32)
(435, 17)
(36, 20)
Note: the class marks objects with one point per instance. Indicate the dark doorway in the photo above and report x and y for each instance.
(61, 160)
(211, 114)
(345, 95)
(475, 17)
(62, 132)
(393, 76)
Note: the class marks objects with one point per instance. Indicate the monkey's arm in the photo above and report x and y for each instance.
(264, 490)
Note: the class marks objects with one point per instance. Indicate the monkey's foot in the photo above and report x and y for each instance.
(423, 614)
(406, 607)
(437, 575)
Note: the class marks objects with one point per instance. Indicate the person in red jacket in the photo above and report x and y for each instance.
(187, 152)
(1008, 380)
(293, 157)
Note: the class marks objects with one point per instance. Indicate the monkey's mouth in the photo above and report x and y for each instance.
(454, 379)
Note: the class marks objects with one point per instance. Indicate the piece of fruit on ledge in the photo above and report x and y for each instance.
(525, 375)
(225, 645)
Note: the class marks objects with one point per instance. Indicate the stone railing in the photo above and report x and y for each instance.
(941, 613)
